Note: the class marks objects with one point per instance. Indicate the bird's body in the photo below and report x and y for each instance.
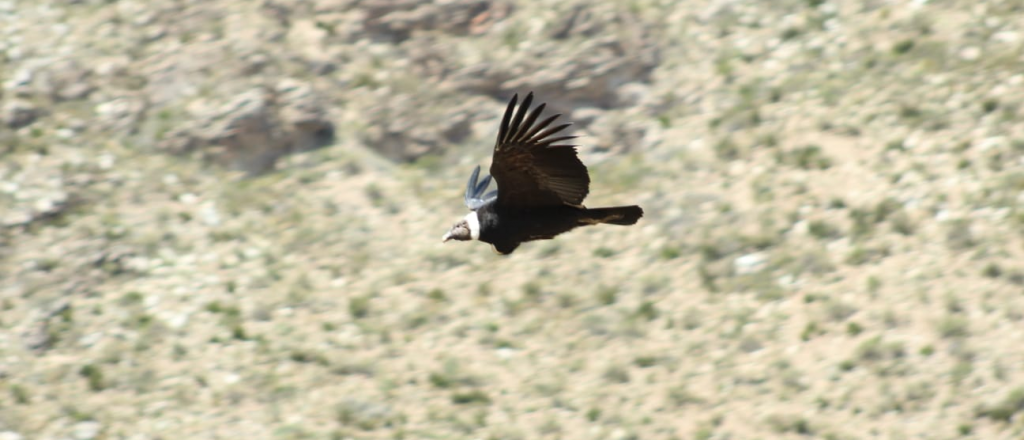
(507, 228)
(541, 187)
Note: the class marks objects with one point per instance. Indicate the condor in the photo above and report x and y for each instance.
(541, 186)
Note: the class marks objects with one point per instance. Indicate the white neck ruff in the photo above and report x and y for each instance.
(474, 225)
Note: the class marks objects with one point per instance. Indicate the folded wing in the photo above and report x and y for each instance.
(475, 197)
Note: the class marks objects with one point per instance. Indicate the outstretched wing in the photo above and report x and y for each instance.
(531, 167)
(475, 197)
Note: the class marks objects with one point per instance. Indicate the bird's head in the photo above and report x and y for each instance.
(466, 229)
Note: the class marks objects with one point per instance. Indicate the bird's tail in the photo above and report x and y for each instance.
(616, 215)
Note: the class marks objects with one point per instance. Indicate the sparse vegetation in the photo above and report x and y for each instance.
(362, 414)
(647, 311)
(237, 235)
(953, 326)
(470, 397)
(616, 374)
(875, 349)
(607, 295)
(359, 306)
(809, 157)
(680, 395)
(1005, 409)
(93, 375)
(790, 424)
(20, 394)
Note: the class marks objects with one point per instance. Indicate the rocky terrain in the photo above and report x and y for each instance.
(221, 219)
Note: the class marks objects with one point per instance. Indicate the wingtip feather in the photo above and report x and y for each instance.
(506, 118)
(515, 129)
(471, 184)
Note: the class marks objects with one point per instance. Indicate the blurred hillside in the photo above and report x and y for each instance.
(222, 219)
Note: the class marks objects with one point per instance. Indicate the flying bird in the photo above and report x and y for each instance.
(541, 186)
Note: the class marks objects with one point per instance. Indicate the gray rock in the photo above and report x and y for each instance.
(122, 113)
(303, 116)
(589, 75)
(67, 80)
(20, 83)
(750, 263)
(397, 20)
(86, 430)
(17, 113)
(255, 128)
(405, 128)
(246, 135)
(39, 337)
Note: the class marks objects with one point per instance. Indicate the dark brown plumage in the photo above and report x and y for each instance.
(541, 186)
(530, 165)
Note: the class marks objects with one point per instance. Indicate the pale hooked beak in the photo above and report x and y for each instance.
(447, 236)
